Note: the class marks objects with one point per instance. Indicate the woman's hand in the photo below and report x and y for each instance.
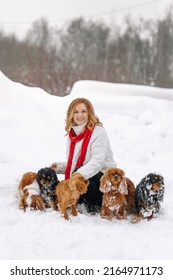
(53, 166)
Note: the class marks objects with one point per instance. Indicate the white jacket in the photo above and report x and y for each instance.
(98, 157)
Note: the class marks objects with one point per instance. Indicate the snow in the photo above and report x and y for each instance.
(138, 120)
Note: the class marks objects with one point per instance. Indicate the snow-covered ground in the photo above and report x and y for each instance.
(139, 122)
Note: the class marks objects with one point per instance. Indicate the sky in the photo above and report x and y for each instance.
(17, 16)
(138, 120)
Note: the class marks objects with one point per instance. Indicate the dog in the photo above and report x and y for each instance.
(148, 195)
(118, 194)
(29, 192)
(68, 192)
(48, 180)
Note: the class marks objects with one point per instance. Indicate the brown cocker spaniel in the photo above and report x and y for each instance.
(118, 194)
(68, 193)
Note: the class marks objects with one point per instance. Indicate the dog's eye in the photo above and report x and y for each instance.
(116, 176)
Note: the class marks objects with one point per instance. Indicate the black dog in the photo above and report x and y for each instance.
(148, 195)
(48, 180)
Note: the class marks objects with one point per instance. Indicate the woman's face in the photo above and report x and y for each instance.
(80, 114)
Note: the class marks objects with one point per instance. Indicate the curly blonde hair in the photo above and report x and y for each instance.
(92, 118)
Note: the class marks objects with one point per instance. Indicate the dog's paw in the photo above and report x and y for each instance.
(121, 217)
(136, 220)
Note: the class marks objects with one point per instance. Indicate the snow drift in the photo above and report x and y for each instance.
(138, 121)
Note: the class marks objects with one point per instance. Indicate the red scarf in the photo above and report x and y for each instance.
(85, 135)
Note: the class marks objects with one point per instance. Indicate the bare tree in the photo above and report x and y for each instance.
(54, 59)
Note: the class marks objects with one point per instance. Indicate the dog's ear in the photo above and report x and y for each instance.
(53, 174)
(103, 184)
(82, 184)
(82, 187)
(104, 181)
(39, 173)
(86, 182)
(123, 187)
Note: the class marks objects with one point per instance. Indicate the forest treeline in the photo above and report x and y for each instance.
(54, 58)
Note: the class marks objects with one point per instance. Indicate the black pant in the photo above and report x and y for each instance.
(93, 196)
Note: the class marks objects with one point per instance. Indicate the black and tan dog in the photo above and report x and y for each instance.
(148, 195)
(48, 180)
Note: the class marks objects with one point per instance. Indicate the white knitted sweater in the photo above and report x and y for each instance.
(98, 157)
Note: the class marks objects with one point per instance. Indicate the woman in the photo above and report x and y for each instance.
(88, 150)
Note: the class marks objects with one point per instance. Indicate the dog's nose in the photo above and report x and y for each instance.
(116, 177)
